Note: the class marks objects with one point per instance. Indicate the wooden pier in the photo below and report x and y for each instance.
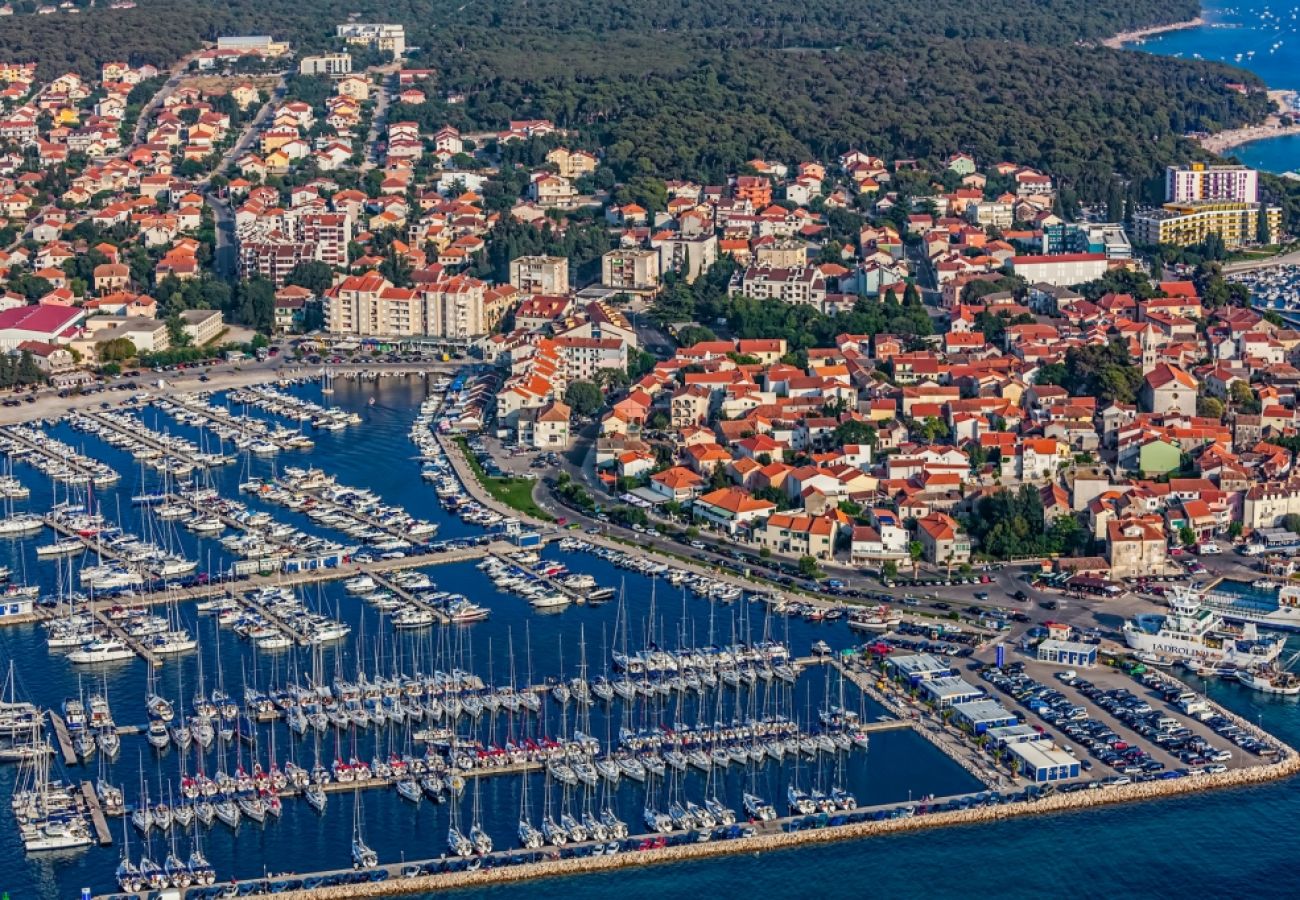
(70, 757)
(102, 835)
(389, 585)
(253, 429)
(153, 659)
(150, 439)
(355, 515)
(76, 466)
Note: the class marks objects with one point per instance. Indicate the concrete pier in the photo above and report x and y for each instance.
(389, 585)
(150, 439)
(770, 837)
(13, 435)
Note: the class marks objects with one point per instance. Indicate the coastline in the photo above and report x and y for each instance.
(1117, 41)
(1285, 103)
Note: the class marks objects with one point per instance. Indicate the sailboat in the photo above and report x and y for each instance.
(129, 878)
(478, 837)
(529, 837)
(201, 871)
(551, 830)
(362, 856)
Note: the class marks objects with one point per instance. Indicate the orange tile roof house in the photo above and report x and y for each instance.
(941, 540)
(798, 534)
(730, 509)
(678, 483)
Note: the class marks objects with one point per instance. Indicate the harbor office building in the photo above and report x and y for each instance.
(1068, 653)
(982, 715)
(1039, 763)
(918, 667)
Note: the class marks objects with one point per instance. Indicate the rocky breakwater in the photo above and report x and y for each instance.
(1288, 765)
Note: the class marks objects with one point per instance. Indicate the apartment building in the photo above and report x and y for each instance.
(391, 38)
(791, 285)
(1199, 181)
(540, 274)
(691, 257)
(326, 64)
(635, 271)
(1185, 224)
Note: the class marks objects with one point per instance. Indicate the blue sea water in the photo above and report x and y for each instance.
(1156, 849)
(1257, 35)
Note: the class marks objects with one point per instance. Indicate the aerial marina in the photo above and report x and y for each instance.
(234, 655)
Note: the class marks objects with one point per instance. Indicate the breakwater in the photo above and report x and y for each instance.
(787, 839)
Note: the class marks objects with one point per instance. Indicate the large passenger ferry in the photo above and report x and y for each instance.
(1194, 630)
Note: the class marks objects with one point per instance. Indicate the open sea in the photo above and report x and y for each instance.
(1258, 35)
(1221, 844)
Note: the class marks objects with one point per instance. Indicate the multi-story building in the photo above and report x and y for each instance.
(272, 248)
(794, 285)
(630, 270)
(585, 357)
(1185, 224)
(782, 253)
(376, 36)
(1198, 181)
(455, 308)
(370, 305)
(689, 256)
(1108, 238)
(326, 64)
(330, 233)
(1060, 270)
(994, 213)
(272, 257)
(540, 274)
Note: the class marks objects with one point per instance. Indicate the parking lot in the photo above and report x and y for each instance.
(1123, 730)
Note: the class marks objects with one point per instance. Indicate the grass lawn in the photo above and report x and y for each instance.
(516, 493)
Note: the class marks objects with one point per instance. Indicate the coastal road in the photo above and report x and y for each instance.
(49, 405)
(1251, 265)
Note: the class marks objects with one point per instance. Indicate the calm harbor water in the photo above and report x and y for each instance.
(1257, 35)
(377, 454)
(1060, 852)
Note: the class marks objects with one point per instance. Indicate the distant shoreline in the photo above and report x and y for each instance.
(1285, 102)
(1117, 42)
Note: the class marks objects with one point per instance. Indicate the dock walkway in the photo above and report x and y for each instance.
(150, 439)
(73, 464)
(65, 740)
(357, 515)
(102, 835)
(153, 659)
(253, 429)
(389, 585)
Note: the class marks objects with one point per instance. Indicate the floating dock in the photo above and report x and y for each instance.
(70, 757)
(102, 835)
(121, 634)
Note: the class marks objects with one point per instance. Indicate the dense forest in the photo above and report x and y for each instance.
(690, 89)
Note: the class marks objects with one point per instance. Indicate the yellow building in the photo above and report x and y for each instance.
(1184, 224)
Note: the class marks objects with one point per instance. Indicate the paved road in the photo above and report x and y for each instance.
(1285, 259)
(380, 119)
(49, 405)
